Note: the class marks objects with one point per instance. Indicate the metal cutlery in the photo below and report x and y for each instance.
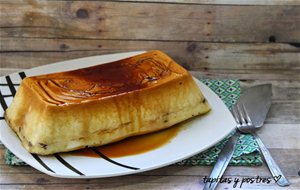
(223, 161)
(245, 125)
(257, 99)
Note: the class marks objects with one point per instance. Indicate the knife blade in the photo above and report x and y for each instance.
(259, 99)
(223, 161)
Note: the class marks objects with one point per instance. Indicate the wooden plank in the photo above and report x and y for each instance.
(289, 170)
(287, 158)
(272, 74)
(284, 113)
(29, 60)
(281, 136)
(6, 71)
(151, 21)
(284, 110)
(224, 2)
(229, 60)
(133, 182)
(283, 90)
(162, 183)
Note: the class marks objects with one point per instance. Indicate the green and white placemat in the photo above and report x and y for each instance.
(246, 152)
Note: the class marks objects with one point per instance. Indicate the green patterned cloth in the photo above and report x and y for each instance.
(246, 152)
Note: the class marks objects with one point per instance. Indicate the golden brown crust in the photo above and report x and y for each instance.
(103, 81)
(61, 116)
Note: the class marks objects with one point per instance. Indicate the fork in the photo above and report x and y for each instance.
(245, 125)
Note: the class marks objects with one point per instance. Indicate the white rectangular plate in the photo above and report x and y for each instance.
(201, 133)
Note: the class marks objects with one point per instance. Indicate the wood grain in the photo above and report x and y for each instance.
(151, 21)
(224, 60)
(277, 139)
(133, 182)
(225, 2)
(149, 182)
(283, 90)
(255, 41)
(287, 159)
(7, 71)
(284, 113)
(285, 107)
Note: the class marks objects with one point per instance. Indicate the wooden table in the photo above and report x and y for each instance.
(255, 41)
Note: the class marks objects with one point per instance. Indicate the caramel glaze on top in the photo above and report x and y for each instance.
(101, 81)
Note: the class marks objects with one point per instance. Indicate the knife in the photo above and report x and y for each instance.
(258, 98)
(223, 161)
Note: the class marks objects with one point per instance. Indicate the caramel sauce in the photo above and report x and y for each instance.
(134, 145)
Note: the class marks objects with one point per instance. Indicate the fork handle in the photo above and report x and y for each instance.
(273, 167)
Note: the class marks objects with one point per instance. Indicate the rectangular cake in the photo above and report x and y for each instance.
(102, 104)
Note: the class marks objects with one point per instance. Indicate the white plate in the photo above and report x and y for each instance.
(202, 132)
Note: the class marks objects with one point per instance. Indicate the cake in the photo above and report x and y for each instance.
(102, 104)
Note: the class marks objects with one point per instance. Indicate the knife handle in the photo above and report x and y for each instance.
(223, 161)
(273, 167)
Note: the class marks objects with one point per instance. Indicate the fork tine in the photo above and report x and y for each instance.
(241, 115)
(235, 115)
(246, 115)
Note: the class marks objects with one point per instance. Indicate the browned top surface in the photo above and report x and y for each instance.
(106, 80)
